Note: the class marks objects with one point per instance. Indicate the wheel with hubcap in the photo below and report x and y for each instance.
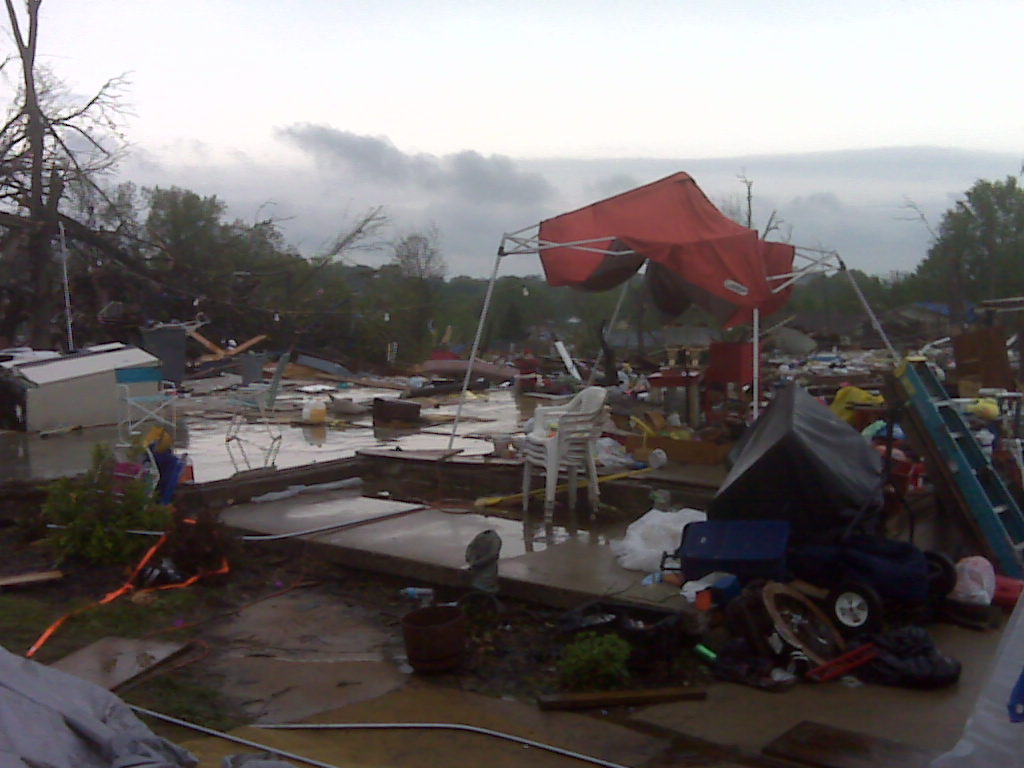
(855, 608)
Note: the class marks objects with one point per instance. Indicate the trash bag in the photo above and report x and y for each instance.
(907, 657)
(651, 536)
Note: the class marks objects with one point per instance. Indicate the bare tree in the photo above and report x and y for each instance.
(50, 145)
(363, 235)
(418, 255)
(775, 221)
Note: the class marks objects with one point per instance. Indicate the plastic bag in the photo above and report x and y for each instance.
(611, 455)
(975, 581)
(652, 535)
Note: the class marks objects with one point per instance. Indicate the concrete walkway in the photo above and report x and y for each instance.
(567, 566)
(562, 565)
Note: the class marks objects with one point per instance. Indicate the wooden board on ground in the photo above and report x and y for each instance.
(35, 577)
(601, 699)
(112, 661)
(824, 746)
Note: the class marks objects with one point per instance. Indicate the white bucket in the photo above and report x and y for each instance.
(314, 410)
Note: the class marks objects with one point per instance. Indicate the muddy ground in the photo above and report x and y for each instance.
(282, 636)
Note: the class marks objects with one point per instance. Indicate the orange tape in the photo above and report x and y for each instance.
(128, 586)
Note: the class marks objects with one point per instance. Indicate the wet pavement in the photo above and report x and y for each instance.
(422, 702)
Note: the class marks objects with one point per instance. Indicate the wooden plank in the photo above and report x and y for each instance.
(219, 352)
(112, 661)
(824, 746)
(601, 699)
(30, 578)
(247, 345)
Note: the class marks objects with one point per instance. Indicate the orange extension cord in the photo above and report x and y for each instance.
(127, 587)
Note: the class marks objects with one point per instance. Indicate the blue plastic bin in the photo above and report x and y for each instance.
(747, 548)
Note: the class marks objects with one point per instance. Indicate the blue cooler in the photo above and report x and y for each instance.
(747, 548)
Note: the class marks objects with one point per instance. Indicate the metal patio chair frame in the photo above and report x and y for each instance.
(258, 400)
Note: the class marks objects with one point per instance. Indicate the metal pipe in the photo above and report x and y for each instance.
(476, 342)
(235, 739)
(442, 726)
(332, 527)
(67, 287)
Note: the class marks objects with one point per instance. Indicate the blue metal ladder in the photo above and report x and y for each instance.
(993, 508)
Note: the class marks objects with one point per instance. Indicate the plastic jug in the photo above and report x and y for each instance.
(314, 410)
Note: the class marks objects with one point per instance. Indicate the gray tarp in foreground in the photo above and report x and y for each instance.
(53, 719)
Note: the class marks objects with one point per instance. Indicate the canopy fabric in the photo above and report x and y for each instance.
(696, 253)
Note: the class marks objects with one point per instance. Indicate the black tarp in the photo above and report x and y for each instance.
(802, 463)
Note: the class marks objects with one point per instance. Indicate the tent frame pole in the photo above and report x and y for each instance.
(476, 341)
(611, 324)
(870, 313)
(756, 399)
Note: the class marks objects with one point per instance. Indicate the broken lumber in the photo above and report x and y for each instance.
(34, 577)
(603, 699)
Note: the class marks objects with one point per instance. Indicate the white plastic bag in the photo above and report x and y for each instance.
(650, 536)
(975, 581)
(611, 455)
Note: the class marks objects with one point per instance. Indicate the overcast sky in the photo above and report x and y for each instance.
(486, 116)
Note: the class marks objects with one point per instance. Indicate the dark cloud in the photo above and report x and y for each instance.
(369, 157)
(468, 175)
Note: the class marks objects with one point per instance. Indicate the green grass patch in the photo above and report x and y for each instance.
(23, 619)
(185, 699)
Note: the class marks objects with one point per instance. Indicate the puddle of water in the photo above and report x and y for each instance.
(30, 457)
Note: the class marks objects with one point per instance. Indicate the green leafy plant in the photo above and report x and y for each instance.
(594, 662)
(95, 511)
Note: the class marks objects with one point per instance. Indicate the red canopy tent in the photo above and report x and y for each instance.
(695, 254)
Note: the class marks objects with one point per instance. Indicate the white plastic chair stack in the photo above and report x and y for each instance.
(258, 400)
(564, 439)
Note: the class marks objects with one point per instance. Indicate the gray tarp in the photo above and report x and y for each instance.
(53, 719)
(50, 719)
(802, 463)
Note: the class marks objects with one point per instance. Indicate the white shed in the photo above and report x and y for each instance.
(77, 390)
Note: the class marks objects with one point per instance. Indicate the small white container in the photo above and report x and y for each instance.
(314, 410)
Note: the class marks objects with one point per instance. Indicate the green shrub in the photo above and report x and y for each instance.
(95, 511)
(594, 662)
